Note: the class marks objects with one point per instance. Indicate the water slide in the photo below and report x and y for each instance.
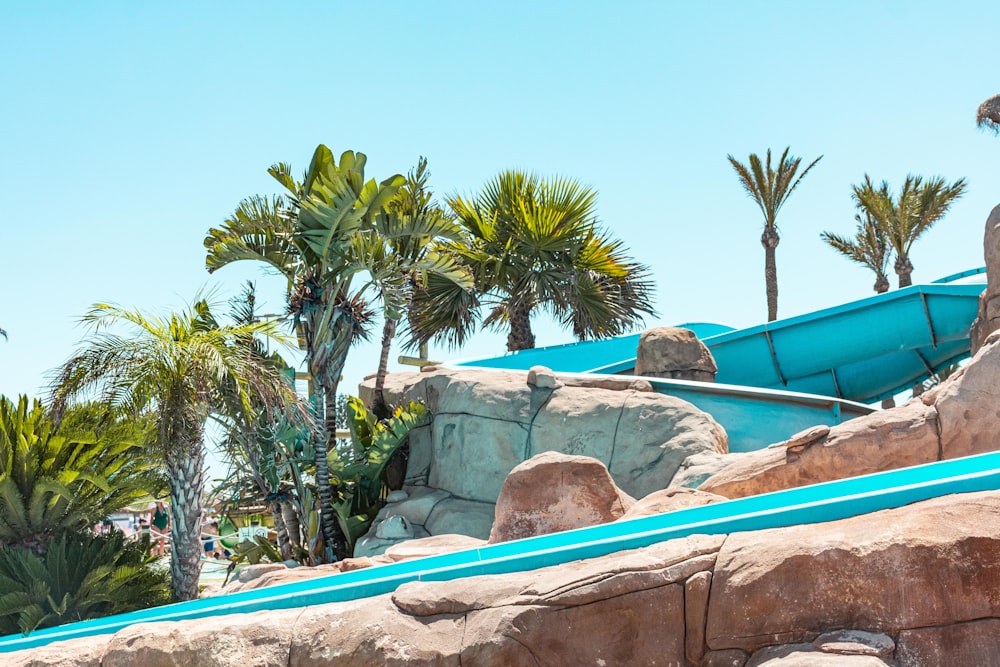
(777, 378)
(809, 504)
(921, 327)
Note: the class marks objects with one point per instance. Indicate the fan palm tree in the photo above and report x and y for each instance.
(182, 365)
(537, 243)
(904, 218)
(869, 247)
(988, 114)
(322, 235)
(770, 189)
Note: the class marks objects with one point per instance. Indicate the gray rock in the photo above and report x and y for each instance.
(462, 517)
(394, 527)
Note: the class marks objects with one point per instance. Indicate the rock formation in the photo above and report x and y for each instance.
(911, 587)
(988, 319)
(957, 418)
(671, 352)
(487, 422)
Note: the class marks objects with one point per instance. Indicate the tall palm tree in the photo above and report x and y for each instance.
(904, 218)
(770, 189)
(422, 223)
(537, 243)
(322, 234)
(869, 247)
(988, 114)
(182, 365)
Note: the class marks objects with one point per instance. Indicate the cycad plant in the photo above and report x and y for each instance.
(80, 576)
(904, 217)
(56, 480)
(868, 247)
(536, 244)
(770, 188)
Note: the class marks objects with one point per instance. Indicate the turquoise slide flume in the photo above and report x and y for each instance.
(809, 504)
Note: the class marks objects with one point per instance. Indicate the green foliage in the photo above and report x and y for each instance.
(258, 550)
(359, 473)
(869, 247)
(81, 576)
(534, 243)
(67, 478)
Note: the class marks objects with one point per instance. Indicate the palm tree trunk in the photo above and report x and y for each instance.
(284, 545)
(388, 333)
(881, 284)
(520, 336)
(292, 525)
(904, 269)
(186, 479)
(769, 239)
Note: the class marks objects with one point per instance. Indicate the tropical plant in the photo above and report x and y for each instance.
(904, 218)
(534, 243)
(323, 234)
(81, 576)
(3, 334)
(68, 479)
(988, 114)
(415, 213)
(869, 247)
(770, 189)
(362, 471)
(181, 365)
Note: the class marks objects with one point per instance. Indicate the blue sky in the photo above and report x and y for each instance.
(128, 129)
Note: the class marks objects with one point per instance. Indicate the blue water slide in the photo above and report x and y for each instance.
(809, 504)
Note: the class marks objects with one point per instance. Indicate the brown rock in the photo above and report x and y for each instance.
(897, 438)
(553, 492)
(969, 407)
(630, 629)
(988, 318)
(432, 546)
(669, 500)
(372, 632)
(804, 438)
(930, 563)
(83, 652)
(671, 352)
(259, 639)
(578, 583)
(282, 575)
(974, 643)
(695, 611)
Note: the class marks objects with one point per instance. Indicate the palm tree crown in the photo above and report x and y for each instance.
(770, 188)
(532, 242)
(868, 247)
(988, 114)
(902, 219)
(181, 366)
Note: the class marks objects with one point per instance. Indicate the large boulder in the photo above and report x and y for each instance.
(487, 422)
(553, 492)
(929, 564)
(988, 317)
(672, 352)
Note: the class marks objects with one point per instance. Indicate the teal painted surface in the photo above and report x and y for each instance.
(810, 504)
(862, 351)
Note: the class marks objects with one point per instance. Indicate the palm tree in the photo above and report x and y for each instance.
(537, 243)
(770, 189)
(422, 222)
(181, 366)
(904, 218)
(869, 247)
(988, 114)
(323, 234)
